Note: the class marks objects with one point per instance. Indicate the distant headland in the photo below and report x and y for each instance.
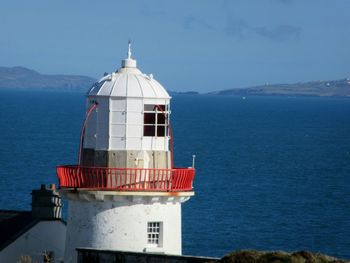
(24, 78)
(330, 88)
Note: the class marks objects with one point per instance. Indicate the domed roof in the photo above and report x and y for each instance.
(129, 81)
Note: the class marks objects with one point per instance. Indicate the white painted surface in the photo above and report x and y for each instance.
(44, 236)
(117, 123)
(129, 82)
(122, 225)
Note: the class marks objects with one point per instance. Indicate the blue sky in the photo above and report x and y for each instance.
(188, 45)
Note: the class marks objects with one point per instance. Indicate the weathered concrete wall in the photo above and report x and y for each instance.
(127, 158)
(86, 255)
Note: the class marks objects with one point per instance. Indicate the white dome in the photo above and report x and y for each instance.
(129, 81)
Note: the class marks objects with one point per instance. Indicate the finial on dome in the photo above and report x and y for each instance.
(129, 49)
(129, 62)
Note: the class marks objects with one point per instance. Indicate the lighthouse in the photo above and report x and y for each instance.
(125, 193)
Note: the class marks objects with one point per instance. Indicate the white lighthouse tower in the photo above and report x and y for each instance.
(125, 194)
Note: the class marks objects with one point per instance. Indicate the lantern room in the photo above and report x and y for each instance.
(130, 126)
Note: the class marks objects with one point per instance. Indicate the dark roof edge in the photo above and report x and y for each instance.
(26, 211)
(54, 219)
(14, 211)
(34, 222)
(20, 233)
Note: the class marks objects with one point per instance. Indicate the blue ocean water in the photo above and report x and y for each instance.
(272, 172)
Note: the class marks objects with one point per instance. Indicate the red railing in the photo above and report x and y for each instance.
(125, 179)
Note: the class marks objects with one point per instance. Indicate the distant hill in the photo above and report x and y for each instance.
(337, 88)
(172, 93)
(24, 78)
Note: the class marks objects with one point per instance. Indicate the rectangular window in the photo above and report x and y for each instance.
(155, 120)
(154, 233)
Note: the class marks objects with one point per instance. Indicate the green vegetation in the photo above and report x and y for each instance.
(253, 256)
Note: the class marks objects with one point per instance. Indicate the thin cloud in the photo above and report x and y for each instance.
(191, 22)
(240, 28)
(236, 27)
(281, 32)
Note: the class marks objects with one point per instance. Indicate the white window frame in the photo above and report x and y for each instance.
(156, 111)
(155, 234)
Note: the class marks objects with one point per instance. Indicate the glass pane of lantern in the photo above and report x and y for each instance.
(160, 131)
(149, 131)
(161, 118)
(161, 107)
(149, 107)
(149, 118)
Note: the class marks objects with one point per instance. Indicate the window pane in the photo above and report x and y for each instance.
(149, 107)
(161, 107)
(161, 131)
(149, 118)
(161, 118)
(152, 107)
(149, 131)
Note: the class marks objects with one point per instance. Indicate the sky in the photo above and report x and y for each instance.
(198, 45)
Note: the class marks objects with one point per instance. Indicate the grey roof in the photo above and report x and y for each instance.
(13, 224)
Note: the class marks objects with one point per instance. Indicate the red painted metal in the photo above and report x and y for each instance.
(125, 179)
(82, 132)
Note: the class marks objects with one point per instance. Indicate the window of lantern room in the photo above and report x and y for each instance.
(155, 120)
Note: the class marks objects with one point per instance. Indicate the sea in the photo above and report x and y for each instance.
(272, 173)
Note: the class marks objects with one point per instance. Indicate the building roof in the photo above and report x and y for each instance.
(13, 224)
(129, 81)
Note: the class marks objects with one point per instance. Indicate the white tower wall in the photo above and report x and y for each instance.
(121, 223)
(118, 124)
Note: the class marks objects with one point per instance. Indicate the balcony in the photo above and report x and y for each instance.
(125, 179)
